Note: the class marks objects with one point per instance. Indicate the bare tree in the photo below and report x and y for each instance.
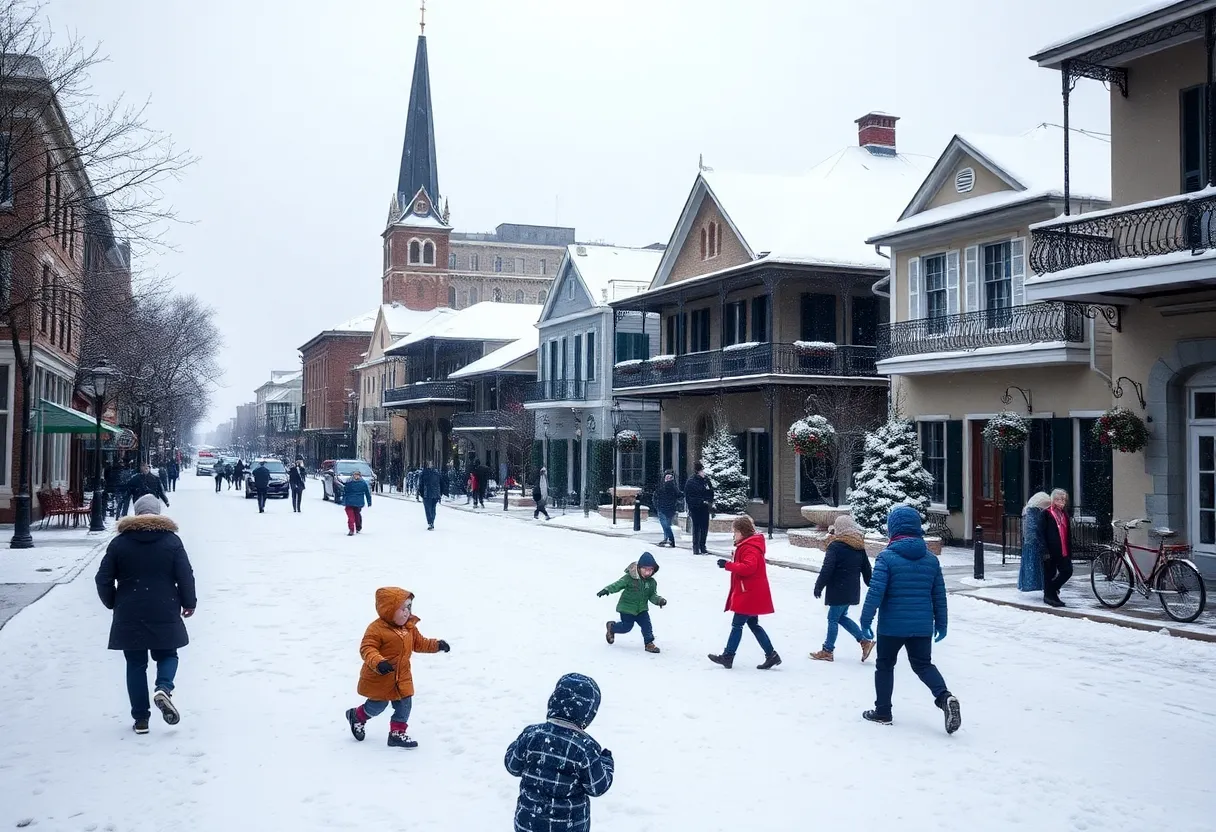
(853, 411)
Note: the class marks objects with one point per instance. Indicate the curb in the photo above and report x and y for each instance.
(1089, 615)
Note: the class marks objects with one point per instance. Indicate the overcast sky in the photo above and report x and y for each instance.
(590, 114)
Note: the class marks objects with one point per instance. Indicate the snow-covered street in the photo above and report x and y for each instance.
(1066, 724)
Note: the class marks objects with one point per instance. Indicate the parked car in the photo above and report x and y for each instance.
(279, 486)
(337, 475)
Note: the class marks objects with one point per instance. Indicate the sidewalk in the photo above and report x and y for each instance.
(58, 556)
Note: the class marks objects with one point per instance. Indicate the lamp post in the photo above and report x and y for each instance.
(616, 457)
(586, 477)
(145, 410)
(99, 380)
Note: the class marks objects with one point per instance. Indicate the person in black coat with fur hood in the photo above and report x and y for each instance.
(146, 579)
(844, 562)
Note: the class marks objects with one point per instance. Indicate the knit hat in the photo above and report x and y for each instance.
(147, 504)
(846, 525)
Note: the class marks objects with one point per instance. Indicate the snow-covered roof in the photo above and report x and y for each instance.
(1160, 8)
(502, 357)
(412, 220)
(485, 321)
(360, 323)
(601, 266)
(1032, 164)
(282, 394)
(402, 320)
(285, 376)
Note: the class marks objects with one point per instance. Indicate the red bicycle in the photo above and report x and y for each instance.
(1174, 577)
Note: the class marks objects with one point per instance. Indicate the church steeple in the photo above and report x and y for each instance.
(419, 169)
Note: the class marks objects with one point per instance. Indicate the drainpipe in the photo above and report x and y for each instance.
(887, 279)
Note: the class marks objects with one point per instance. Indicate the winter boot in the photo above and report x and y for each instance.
(610, 635)
(397, 738)
(358, 725)
(162, 699)
(140, 726)
(727, 660)
(950, 707)
(770, 661)
(867, 647)
(875, 716)
(651, 647)
(823, 656)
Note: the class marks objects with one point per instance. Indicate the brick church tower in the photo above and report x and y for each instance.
(417, 238)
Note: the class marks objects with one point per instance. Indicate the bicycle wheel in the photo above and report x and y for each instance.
(1181, 591)
(1111, 579)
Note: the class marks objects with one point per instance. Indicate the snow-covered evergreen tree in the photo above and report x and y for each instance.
(724, 465)
(891, 474)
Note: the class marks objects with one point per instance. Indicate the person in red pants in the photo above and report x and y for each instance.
(355, 495)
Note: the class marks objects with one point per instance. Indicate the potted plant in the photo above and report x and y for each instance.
(1006, 431)
(1121, 430)
(811, 436)
(663, 362)
(815, 349)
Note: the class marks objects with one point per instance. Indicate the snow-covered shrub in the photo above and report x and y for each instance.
(815, 348)
(724, 466)
(811, 437)
(891, 475)
(1006, 431)
(628, 441)
(1121, 430)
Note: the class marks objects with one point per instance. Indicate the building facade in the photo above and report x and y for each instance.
(277, 404)
(330, 389)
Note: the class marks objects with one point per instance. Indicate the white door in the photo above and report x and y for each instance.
(1202, 489)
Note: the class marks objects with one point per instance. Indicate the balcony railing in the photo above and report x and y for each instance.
(424, 392)
(373, 414)
(1036, 323)
(1186, 224)
(761, 359)
(485, 420)
(555, 390)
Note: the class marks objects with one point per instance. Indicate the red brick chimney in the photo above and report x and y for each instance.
(876, 132)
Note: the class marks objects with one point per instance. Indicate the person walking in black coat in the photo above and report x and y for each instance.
(219, 475)
(483, 484)
(297, 479)
(146, 579)
(1057, 538)
(666, 504)
(261, 483)
(844, 562)
(146, 483)
(175, 472)
(162, 473)
(699, 497)
(238, 474)
(430, 488)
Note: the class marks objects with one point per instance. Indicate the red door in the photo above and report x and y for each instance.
(987, 493)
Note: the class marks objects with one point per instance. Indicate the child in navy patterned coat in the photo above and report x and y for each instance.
(559, 765)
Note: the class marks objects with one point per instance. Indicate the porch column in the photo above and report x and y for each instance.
(1209, 127)
(1066, 84)
(771, 395)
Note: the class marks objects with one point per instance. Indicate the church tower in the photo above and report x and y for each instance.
(417, 237)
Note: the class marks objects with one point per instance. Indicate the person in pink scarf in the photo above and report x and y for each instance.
(1057, 568)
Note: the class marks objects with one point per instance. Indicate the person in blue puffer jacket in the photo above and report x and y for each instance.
(560, 766)
(908, 592)
(354, 495)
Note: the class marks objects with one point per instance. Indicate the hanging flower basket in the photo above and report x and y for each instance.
(663, 362)
(816, 349)
(1006, 431)
(633, 365)
(1121, 430)
(811, 437)
(628, 441)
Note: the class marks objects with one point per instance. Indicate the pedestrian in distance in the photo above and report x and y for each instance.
(1057, 537)
(238, 474)
(540, 494)
(749, 596)
(122, 491)
(699, 497)
(218, 470)
(386, 678)
(471, 495)
(638, 589)
(145, 577)
(429, 486)
(483, 484)
(908, 593)
(175, 472)
(162, 473)
(559, 765)
(298, 481)
(355, 495)
(1034, 543)
(844, 562)
(666, 504)
(145, 483)
(229, 474)
(261, 484)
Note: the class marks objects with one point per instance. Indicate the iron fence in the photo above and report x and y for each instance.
(1090, 533)
(1034, 323)
(425, 391)
(554, 390)
(757, 359)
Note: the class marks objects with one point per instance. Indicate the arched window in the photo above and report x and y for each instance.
(542, 297)
(428, 253)
(452, 295)
(415, 251)
(498, 264)
(497, 295)
(452, 260)
(519, 295)
(704, 245)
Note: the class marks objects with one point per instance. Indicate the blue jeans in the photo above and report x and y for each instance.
(428, 506)
(401, 708)
(920, 656)
(643, 621)
(137, 677)
(665, 521)
(736, 633)
(838, 616)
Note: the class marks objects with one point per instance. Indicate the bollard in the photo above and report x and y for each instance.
(506, 494)
(637, 512)
(979, 553)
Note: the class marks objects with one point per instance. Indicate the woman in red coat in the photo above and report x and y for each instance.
(749, 596)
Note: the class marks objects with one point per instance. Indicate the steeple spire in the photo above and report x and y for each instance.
(419, 169)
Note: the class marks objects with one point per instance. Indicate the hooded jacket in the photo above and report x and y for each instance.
(429, 484)
(636, 592)
(560, 766)
(356, 493)
(385, 641)
(146, 578)
(698, 491)
(261, 477)
(907, 589)
(844, 562)
(667, 497)
(749, 592)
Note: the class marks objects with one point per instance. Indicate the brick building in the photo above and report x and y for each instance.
(331, 388)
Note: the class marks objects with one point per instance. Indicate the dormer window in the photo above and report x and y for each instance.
(711, 240)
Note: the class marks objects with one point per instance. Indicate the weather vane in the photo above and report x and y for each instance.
(424, 17)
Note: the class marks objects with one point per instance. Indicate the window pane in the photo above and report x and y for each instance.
(3, 393)
(1207, 453)
(1205, 405)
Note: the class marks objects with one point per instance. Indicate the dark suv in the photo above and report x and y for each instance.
(333, 479)
(279, 486)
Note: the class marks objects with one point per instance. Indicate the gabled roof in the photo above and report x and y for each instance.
(614, 271)
(401, 320)
(817, 218)
(1032, 165)
(1119, 28)
(485, 321)
(360, 323)
(501, 359)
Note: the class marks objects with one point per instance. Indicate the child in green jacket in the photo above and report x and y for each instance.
(637, 587)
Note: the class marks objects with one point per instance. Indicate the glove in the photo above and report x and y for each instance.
(444, 647)
(721, 563)
(867, 633)
(662, 602)
(939, 635)
(187, 613)
(601, 593)
(385, 668)
(818, 593)
(604, 752)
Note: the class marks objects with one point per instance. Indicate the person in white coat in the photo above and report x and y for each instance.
(540, 494)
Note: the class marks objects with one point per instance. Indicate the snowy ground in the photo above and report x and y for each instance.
(1067, 725)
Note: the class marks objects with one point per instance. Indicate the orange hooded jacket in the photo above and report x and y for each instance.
(385, 641)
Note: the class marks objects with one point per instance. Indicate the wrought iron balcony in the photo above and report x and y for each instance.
(485, 420)
(428, 392)
(761, 359)
(1037, 323)
(555, 390)
(373, 414)
(1185, 224)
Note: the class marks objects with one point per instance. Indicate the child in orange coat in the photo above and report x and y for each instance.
(386, 679)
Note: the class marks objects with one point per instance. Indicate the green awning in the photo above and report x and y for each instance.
(55, 418)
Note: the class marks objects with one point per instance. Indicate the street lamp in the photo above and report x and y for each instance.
(586, 478)
(99, 379)
(617, 417)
